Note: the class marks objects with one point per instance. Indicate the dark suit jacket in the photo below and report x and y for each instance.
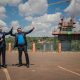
(3, 43)
(24, 35)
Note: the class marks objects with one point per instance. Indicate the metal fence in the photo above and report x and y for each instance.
(73, 45)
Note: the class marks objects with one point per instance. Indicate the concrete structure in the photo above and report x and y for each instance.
(66, 35)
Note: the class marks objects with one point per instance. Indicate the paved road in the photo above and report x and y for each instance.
(43, 66)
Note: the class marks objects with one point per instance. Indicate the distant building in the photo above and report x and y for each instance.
(66, 34)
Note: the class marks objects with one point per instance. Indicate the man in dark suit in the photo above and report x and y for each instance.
(3, 47)
(21, 43)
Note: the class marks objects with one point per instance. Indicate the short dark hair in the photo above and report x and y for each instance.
(62, 19)
(18, 28)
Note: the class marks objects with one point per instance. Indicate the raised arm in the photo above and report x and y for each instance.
(7, 33)
(29, 31)
(11, 33)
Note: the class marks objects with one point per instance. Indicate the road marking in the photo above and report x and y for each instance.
(65, 69)
(6, 73)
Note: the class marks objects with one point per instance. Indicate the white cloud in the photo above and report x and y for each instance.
(74, 8)
(15, 2)
(10, 2)
(77, 27)
(48, 18)
(6, 29)
(33, 8)
(15, 25)
(44, 25)
(4, 26)
(29, 18)
(2, 23)
(4, 2)
(2, 12)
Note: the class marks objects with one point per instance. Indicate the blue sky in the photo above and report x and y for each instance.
(12, 12)
(57, 7)
(38, 14)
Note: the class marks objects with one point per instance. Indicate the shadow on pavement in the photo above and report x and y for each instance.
(17, 64)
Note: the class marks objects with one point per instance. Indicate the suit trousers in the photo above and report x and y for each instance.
(3, 54)
(21, 49)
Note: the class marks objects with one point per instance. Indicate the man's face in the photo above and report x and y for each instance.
(19, 30)
(0, 29)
